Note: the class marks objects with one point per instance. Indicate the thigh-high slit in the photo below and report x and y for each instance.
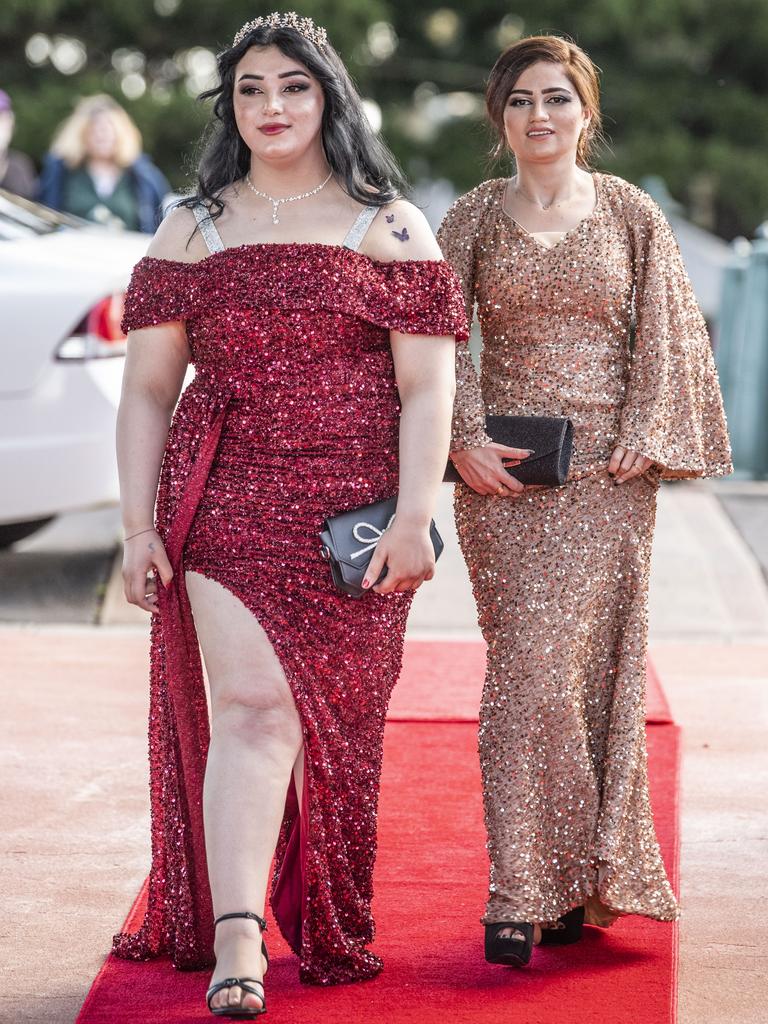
(255, 531)
(301, 868)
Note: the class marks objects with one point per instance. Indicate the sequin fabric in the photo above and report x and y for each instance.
(292, 416)
(603, 328)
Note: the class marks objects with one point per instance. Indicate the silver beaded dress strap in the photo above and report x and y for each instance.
(363, 221)
(208, 230)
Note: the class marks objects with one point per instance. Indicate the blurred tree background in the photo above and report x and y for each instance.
(685, 81)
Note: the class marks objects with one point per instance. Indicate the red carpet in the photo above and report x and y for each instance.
(443, 682)
(430, 880)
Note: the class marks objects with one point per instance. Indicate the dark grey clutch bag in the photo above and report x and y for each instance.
(550, 438)
(350, 538)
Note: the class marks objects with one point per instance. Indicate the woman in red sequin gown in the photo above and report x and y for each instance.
(311, 396)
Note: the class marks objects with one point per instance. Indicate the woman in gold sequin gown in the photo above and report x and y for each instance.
(586, 312)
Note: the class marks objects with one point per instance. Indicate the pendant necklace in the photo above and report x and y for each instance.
(277, 203)
(541, 206)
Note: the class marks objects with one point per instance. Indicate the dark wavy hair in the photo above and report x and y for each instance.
(358, 158)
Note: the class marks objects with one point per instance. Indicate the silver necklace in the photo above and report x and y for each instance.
(277, 203)
(542, 206)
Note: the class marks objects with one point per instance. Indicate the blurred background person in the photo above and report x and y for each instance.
(17, 172)
(96, 169)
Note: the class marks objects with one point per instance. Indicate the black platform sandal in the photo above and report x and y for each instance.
(570, 928)
(241, 1012)
(513, 950)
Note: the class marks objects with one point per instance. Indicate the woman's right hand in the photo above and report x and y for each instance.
(141, 554)
(483, 469)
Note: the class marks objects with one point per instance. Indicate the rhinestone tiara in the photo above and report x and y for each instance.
(304, 26)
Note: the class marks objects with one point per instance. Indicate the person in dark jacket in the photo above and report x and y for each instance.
(17, 172)
(96, 169)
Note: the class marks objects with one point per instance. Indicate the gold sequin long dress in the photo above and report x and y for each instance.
(602, 328)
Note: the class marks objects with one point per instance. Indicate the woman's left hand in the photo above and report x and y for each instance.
(626, 464)
(409, 556)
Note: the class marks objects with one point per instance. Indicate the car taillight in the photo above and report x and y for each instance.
(98, 334)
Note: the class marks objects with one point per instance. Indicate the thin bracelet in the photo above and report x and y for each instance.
(149, 529)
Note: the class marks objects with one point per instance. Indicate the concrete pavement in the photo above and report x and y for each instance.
(75, 845)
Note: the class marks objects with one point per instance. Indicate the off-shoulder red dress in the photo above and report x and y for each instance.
(292, 416)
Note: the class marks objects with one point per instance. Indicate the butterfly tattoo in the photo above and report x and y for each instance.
(390, 218)
(402, 236)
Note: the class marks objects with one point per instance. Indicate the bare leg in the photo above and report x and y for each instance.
(256, 739)
(298, 775)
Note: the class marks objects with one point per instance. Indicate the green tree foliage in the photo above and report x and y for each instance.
(685, 82)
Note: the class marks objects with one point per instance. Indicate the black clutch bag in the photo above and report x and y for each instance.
(350, 538)
(550, 438)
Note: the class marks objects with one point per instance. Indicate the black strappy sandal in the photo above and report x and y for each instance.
(570, 928)
(241, 1012)
(512, 951)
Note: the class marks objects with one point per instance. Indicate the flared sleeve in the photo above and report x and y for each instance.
(160, 291)
(457, 237)
(673, 409)
(415, 297)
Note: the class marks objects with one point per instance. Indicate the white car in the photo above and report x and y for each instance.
(62, 283)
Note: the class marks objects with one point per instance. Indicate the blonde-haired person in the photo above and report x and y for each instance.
(586, 312)
(96, 169)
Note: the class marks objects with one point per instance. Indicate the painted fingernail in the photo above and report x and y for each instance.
(366, 584)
